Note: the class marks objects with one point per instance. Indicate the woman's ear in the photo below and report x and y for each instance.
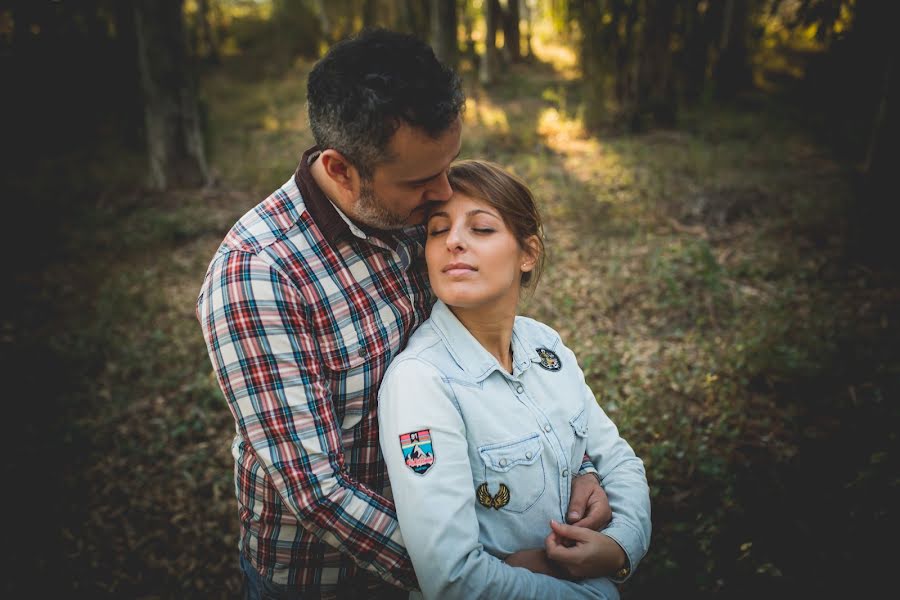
(339, 169)
(532, 254)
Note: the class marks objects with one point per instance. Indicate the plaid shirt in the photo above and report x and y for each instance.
(302, 312)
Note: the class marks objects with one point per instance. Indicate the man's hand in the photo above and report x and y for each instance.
(536, 561)
(588, 505)
(582, 552)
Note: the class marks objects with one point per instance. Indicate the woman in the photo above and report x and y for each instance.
(485, 418)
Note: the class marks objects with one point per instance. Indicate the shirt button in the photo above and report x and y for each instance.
(547, 428)
(503, 462)
(565, 472)
(528, 455)
(362, 352)
(519, 389)
(622, 573)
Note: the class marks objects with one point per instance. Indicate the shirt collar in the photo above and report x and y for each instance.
(468, 352)
(331, 220)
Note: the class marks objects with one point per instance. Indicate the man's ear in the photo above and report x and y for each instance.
(339, 169)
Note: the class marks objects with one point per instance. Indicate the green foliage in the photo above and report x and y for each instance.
(698, 274)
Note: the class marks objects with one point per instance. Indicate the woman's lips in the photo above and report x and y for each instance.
(458, 269)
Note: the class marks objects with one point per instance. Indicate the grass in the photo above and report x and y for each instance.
(699, 274)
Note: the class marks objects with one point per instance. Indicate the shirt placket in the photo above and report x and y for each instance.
(562, 468)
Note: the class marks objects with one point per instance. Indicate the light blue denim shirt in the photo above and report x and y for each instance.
(480, 460)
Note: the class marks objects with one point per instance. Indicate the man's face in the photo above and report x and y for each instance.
(399, 189)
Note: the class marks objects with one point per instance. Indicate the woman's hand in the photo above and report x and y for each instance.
(536, 561)
(582, 552)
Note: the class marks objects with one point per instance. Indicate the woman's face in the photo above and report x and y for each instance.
(474, 260)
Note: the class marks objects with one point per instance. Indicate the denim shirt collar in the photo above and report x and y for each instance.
(471, 356)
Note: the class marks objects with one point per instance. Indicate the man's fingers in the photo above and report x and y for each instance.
(598, 514)
(578, 502)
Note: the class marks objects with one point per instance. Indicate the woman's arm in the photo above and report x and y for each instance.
(435, 496)
(625, 482)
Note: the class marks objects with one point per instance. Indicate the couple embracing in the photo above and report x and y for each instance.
(400, 432)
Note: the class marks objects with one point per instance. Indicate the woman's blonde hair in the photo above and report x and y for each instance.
(491, 183)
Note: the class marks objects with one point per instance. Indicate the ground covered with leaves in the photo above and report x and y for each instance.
(700, 274)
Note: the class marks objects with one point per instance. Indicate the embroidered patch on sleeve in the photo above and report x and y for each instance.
(549, 359)
(417, 450)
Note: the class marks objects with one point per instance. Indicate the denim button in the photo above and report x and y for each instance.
(528, 455)
(547, 428)
(519, 389)
(565, 472)
(503, 462)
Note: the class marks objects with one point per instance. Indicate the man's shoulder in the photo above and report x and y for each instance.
(282, 215)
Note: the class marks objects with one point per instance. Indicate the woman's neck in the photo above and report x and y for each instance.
(492, 328)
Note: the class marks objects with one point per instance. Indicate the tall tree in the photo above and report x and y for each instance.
(512, 39)
(732, 72)
(655, 98)
(488, 67)
(443, 31)
(171, 116)
(593, 60)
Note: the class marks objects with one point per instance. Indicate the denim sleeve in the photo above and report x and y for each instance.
(436, 508)
(624, 481)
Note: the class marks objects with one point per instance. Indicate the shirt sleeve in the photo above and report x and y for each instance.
(587, 466)
(267, 362)
(436, 509)
(624, 481)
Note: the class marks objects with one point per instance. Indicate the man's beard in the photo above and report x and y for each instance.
(372, 212)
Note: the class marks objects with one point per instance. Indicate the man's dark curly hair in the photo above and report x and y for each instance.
(365, 87)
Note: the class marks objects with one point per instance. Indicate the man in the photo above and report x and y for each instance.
(305, 303)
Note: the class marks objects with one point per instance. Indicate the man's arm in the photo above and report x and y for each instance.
(267, 362)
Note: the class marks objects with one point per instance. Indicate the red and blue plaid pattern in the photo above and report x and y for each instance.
(301, 317)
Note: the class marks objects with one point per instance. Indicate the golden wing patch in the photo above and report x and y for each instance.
(496, 502)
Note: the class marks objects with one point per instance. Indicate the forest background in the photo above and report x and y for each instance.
(716, 177)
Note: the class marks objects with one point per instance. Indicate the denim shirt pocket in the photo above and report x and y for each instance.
(513, 474)
(579, 424)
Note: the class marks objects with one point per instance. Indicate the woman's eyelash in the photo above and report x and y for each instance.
(482, 230)
(435, 232)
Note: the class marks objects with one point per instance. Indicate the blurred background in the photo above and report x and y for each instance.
(718, 179)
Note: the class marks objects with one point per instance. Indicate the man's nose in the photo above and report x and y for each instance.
(440, 190)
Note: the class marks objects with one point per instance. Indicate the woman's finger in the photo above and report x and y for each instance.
(579, 534)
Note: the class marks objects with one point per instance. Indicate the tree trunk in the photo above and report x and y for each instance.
(732, 71)
(488, 69)
(443, 31)
(206, 38)
(655, 92)
(873, 226)
(526, 6)
(370, 9)
(171, 115)
(512, 40)
(593, 52)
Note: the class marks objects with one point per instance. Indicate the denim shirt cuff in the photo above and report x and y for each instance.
(628, 540)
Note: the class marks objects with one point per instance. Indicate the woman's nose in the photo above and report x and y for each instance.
(455, 240)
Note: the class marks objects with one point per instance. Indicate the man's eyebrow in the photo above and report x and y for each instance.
(430, 177)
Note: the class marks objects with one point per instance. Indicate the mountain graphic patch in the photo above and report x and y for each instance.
(418, 453)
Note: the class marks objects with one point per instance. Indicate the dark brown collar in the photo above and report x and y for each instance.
(323, 212)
